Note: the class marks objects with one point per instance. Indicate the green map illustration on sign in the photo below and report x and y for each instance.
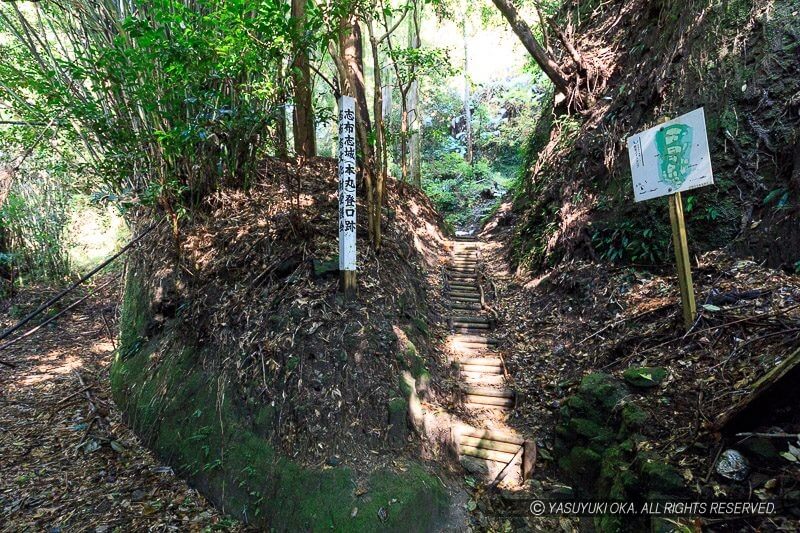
(674, 145)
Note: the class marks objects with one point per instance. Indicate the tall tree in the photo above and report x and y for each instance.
(305, 143)
(539, 54)
(349, 60)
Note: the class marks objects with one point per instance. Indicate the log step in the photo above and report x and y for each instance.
(463, 308)
(488, 391)
(464, 322)
(466, 294)
(467, 291)
(485, 444)
(489, 400)
(490, 455)
(468, 331)
(470, 290)
(472, 350)
(473, 339)
(485, 361)
(474, 319)
(472, 405)
(481, 369)
(472, 328)
(492, 434)
(480, 379)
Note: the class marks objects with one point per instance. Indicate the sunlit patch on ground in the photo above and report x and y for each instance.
(51, 365)
(67, 461)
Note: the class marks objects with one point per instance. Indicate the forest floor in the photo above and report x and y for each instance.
(583, 317)
(68, 461)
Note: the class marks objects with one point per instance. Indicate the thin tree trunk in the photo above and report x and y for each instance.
(281, 135)
(303, 124)
(414, 122)
(380, 139)
(467, 97)
(404, 141)
(542, 58)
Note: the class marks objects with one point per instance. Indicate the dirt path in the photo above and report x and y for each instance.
(68, 463)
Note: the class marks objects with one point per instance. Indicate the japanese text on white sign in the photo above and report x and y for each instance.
(347, 183)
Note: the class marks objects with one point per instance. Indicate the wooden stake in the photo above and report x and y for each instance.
(681, 246)
(348, 283)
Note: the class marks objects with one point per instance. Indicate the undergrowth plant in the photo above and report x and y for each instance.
(168, 99)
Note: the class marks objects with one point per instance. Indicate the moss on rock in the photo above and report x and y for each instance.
(596, 441)
(645, 377)
(581, 463)
(660, 477)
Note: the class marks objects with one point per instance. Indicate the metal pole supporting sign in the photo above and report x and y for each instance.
(347, 194)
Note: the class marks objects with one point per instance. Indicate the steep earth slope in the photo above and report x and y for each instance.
(244, 368)
(645, 61)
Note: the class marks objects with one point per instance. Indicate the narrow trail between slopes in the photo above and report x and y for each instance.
(487, 448)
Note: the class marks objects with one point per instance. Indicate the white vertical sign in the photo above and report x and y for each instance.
(347, 183)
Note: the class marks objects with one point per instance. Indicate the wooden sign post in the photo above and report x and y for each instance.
(666, 160)
(347, 195)
(679, 242)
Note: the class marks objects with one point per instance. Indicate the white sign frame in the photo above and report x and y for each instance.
(347, 183)
(684, 141)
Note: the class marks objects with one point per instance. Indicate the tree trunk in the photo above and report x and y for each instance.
(386, 90)
(352, 63)
(380, 140)
(404, 141)
(542, 58)
(281, 135)
(413, 120)
(467, 97)
(303, 123)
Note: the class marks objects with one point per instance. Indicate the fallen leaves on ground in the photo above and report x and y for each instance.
(68, 461)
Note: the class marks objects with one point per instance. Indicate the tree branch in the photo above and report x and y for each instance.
(397, 23)
(540, 55)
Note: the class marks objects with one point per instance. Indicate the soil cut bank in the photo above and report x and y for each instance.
(245, 370)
